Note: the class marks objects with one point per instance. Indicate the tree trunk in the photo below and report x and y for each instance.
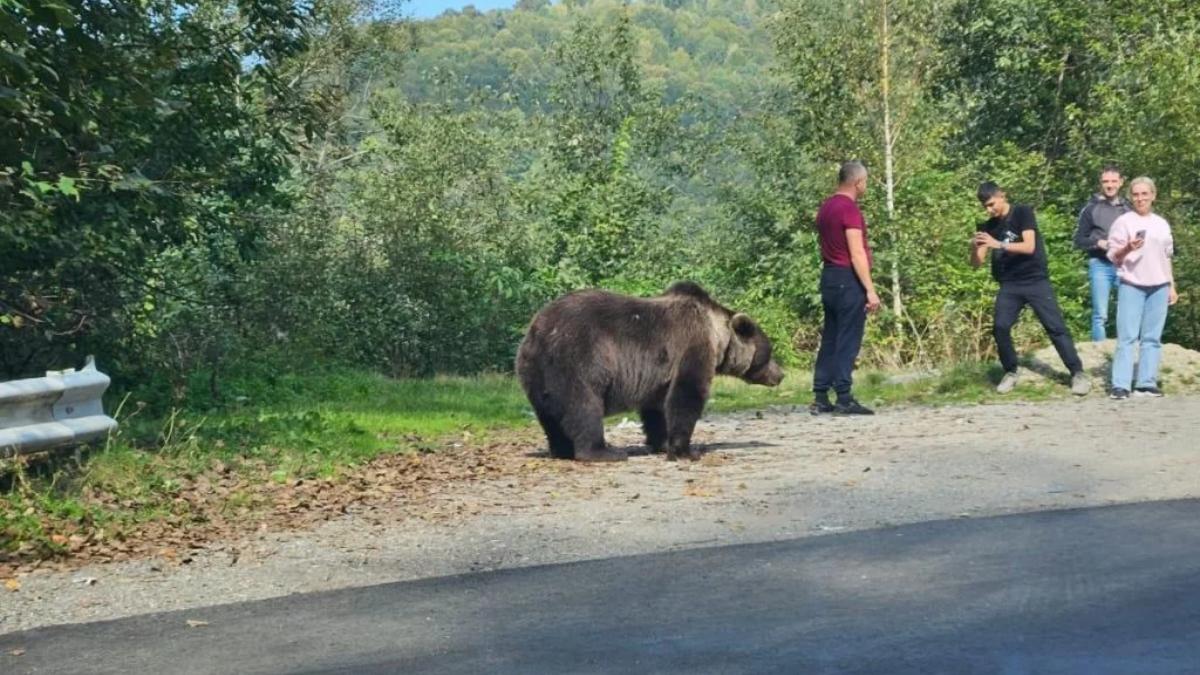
(889, 174)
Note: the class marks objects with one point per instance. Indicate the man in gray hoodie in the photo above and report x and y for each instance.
(1091, 236)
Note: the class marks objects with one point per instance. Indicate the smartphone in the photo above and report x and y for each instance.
(1141, 234)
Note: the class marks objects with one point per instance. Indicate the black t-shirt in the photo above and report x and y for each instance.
(1016, 267)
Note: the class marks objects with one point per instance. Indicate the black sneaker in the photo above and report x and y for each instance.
(1153, 392)
(1118, 394)
(820, 407)
(852, 407)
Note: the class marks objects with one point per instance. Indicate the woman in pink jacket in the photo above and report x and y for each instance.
(1141, 246)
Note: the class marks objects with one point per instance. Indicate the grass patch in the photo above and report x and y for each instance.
(968, 383)
(297, 426)
(306, 425)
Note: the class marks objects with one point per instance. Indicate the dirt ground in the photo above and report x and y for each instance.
(766, 475)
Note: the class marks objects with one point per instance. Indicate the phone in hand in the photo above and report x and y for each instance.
(1140, 234)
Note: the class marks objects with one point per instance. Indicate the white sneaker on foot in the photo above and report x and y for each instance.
(1007, 383)
(1080, 384)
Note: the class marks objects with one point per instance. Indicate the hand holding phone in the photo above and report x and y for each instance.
(1138, 241)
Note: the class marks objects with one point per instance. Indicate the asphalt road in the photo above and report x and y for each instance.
(1099, 590)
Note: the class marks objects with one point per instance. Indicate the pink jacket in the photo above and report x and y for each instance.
(1151, 264)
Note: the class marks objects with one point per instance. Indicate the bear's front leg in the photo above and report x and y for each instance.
(685, 404)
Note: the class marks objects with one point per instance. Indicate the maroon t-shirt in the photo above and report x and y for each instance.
(838, 214)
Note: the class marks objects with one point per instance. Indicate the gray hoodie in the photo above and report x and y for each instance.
(1095, 219)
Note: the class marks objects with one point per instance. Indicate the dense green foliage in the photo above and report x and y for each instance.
(192, 188)
(138, 143)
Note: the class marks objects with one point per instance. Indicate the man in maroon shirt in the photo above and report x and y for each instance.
(847, 293)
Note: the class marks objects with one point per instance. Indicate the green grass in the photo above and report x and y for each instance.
(295, 426)
(969, 383)
(313, 424)
(299, 426)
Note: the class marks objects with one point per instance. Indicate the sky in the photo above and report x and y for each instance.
(425, 9)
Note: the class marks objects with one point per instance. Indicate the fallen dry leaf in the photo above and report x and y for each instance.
(416, 485)
(693, 490)
(16, 652)
(196, 623)
(12, 585)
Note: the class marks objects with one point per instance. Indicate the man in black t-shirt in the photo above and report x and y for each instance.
(1019, 265)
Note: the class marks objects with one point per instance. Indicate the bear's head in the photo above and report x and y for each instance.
(748, 355)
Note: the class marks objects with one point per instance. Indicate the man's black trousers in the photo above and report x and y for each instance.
(845, 302)
(1039, 295)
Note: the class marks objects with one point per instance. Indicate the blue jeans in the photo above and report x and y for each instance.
(1102, 276)
(1141, 315)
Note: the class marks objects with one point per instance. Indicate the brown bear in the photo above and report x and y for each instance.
(594, 353)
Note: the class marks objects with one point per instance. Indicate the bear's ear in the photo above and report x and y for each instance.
(743, 325)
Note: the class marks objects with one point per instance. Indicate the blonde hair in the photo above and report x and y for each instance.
(1143, 180)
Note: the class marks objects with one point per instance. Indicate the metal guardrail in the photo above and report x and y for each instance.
(61, 409)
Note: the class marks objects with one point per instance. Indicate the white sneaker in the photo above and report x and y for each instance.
(1007, 383)
(1080, 384)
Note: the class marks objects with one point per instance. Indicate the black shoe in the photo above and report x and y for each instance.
(820, 407)
(1118, 394)
(852, 407)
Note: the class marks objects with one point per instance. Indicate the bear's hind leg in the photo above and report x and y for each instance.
(654, 423)
(584, 423)
(560, 444)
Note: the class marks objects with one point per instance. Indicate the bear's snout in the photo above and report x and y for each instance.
(769, 376)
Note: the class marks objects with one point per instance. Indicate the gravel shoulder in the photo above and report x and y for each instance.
(767, 475)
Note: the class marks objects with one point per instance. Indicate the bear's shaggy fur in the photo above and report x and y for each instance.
(594, 353)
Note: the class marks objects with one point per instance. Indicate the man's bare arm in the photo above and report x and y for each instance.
(862, 266)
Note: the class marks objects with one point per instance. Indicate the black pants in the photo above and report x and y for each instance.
(1039, 295)
(845, 302)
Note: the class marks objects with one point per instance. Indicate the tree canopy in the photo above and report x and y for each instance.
(191, 187)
